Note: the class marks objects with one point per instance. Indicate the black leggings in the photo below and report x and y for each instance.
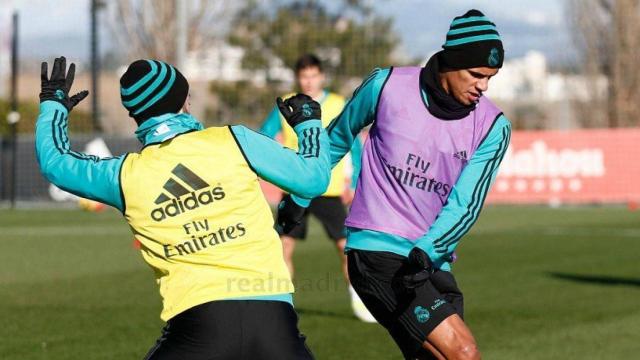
(232, 329)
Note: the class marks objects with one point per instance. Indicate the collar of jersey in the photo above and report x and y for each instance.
(164, 127)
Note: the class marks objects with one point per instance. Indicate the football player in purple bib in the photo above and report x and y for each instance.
(433, 151)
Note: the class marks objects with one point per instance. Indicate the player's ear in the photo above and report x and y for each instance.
(186, 107)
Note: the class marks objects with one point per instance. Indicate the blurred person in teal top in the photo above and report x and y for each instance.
(329, 208)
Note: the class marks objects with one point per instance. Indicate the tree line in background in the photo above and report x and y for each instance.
(29, 113)
(350, 38)
(147, 28)
(607, 34)
(350, 47)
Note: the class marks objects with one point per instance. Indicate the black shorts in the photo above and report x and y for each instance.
(409, 316)
(331, 213)
(232, 329)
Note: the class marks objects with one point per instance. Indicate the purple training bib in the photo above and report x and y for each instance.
(412, 159)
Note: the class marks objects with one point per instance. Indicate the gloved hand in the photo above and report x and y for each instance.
(289, 214)
(58, 86)
(420, 268)
(299, 108)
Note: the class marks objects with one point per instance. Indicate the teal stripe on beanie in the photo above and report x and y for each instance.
(160, 94)
(472, 39)
(471, 29)
(464, 20)
(133, 88)
(150, 89)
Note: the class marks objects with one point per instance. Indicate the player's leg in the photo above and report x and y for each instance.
(357, 305)
(452, 336)
(340, 244)
(412, 316)
(331, 213)
(289, 241)
(270, 331)
(207, 331)
(161, 350)
(429, 353)
(443, 332)
(233, 329)
(288, 247)
(371, 274)
(453, 340)
(447, 334)
(376, 294)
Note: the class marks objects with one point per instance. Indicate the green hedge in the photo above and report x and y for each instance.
(80, 121)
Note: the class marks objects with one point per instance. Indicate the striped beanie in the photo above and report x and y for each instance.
(472, 41)
(150, 88)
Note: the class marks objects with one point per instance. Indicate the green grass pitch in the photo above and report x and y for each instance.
(539, 283)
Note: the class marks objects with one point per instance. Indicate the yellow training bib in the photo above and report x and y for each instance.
(203, 223)
(331, 107)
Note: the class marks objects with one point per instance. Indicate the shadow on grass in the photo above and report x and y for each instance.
(596, 279)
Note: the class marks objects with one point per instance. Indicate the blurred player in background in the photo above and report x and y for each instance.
(329, 208)
(433, 152)
(192, 199)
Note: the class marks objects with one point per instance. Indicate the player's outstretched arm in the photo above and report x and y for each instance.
(359, 113)
(272, 124)
(305, 172)
(467, 196)
(83, 175)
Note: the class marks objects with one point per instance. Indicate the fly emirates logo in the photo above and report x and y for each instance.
(189, 193)
(414, 174)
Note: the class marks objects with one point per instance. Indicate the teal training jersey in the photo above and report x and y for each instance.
(97, 178)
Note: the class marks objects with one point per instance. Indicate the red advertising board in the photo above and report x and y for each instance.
(557, 167)
(577, 166)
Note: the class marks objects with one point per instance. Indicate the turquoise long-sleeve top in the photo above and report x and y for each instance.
(272, 126)
(97, 178)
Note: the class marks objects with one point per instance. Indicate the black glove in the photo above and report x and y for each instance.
(420, 269)
(299, 108)
(58, 86)
(289, 214)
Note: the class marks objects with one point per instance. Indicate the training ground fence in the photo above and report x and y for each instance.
(23, 182)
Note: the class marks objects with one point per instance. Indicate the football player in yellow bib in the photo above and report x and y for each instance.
(329, 208)
(193, 201)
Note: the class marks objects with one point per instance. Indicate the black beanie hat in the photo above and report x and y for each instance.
(150, 88)
(472, 41)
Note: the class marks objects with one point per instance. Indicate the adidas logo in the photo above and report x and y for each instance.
(185, 183)
(462, 155)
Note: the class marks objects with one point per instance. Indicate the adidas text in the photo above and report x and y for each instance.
(181, 205)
